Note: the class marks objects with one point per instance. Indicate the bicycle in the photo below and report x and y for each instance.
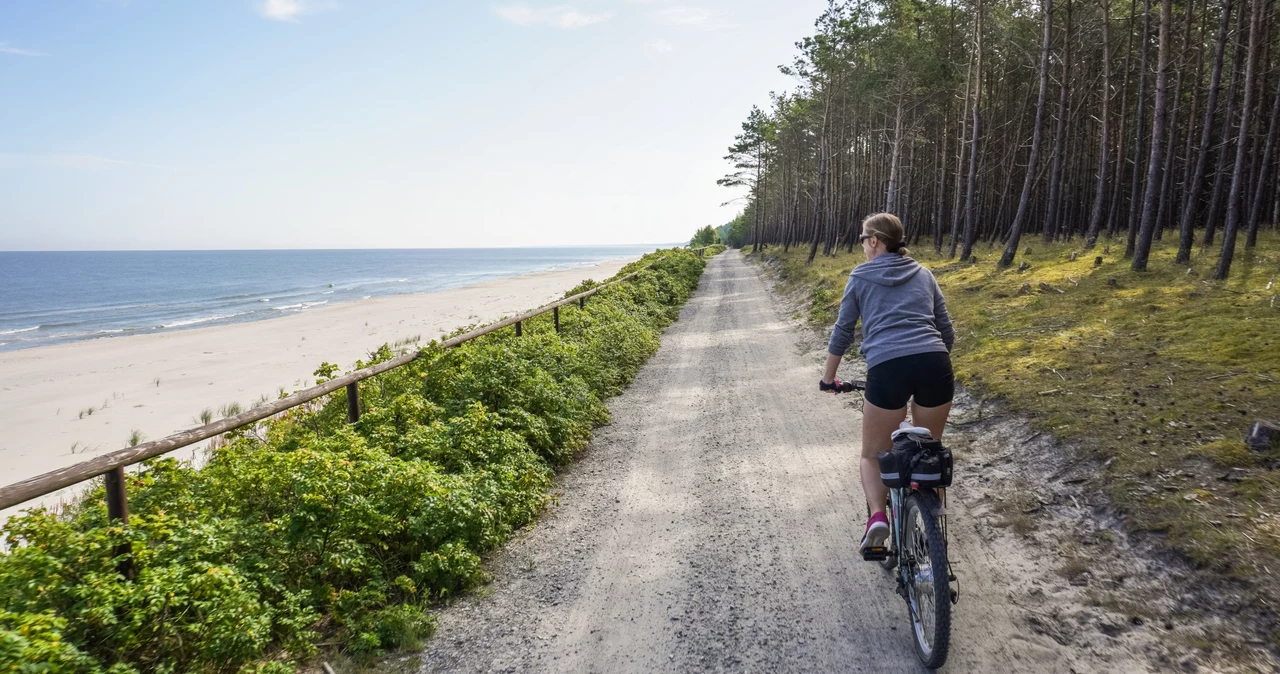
(917, 553)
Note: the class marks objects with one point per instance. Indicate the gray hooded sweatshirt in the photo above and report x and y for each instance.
(901, 307)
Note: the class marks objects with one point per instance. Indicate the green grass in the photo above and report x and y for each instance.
(1156, 376)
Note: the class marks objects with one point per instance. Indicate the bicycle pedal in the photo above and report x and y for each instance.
(875, 554)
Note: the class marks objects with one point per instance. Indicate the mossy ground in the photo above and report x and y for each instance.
(1156, 376)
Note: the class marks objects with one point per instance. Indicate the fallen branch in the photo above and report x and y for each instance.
(1224, 376)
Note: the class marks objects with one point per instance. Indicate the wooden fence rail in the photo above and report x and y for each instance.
(112, 464)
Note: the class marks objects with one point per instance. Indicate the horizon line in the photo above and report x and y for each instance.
(254, 250)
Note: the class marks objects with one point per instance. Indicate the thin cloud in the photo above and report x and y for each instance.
(660, 46)
(690, 17)
(560, 16)
(282, 10)
(7, 48)
(68, 161)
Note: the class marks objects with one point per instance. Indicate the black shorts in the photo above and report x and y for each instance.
(925, 376)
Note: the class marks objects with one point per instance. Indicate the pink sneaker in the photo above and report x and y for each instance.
(877, 532)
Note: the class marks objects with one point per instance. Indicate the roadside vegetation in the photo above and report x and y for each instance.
(1154, 376)
(306, 532)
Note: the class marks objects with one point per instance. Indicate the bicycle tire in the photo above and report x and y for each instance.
(928, 592)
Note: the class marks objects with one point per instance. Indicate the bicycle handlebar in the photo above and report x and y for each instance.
(843, 386)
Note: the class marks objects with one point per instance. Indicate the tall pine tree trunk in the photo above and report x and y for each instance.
(1138, 134)
(1143, 249)
(1260, 189)
(1033, 160)
(1060, 138)
(819, 196)
(960, 151)
(1220, 174)
(941, 195)
(1242, 149)
(1113, 215)
(1166, 180)
(970, 205)
(1191, 196)
(1104, 146)
(895, 159)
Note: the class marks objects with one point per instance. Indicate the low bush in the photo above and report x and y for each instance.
(307, 529)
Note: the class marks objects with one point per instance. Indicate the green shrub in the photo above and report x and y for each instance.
(313, 530)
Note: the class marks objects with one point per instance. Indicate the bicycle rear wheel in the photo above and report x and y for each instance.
(928, 591)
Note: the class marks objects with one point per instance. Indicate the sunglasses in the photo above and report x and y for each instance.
(864, 237)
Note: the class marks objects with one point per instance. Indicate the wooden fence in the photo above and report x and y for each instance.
(112, 465)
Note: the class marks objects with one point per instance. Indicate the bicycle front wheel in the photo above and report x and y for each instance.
(928, 590)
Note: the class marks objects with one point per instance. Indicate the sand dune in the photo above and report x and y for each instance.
(46, 392)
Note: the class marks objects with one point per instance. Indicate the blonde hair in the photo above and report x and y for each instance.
(888, 229)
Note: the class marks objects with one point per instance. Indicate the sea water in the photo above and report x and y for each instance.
(55, 297)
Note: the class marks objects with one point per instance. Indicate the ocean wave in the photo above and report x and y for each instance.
(264, 299)
(202, 319)
(301, 305)
(14, 332)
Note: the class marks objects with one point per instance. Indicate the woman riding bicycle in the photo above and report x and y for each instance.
(906, 340)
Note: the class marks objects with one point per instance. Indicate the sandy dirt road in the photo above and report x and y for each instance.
(713, 527)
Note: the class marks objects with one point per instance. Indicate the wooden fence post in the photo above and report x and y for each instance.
(353, 402)
(118, 509)
(519, 330)
(555, 313)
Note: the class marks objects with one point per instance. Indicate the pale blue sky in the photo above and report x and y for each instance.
(162, 124)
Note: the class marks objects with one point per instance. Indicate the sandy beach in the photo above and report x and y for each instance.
(159, 384)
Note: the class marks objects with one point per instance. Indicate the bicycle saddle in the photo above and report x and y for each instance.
(907, 429)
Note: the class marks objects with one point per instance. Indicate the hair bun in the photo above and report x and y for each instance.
(887, 228)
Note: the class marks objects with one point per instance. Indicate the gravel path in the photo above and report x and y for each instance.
(713, 527)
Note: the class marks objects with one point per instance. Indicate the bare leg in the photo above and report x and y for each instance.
(932, 418)
(878, 424)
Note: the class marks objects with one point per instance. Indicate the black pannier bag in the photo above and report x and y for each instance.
(895, 465)
(915, 459)
(931, 466)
